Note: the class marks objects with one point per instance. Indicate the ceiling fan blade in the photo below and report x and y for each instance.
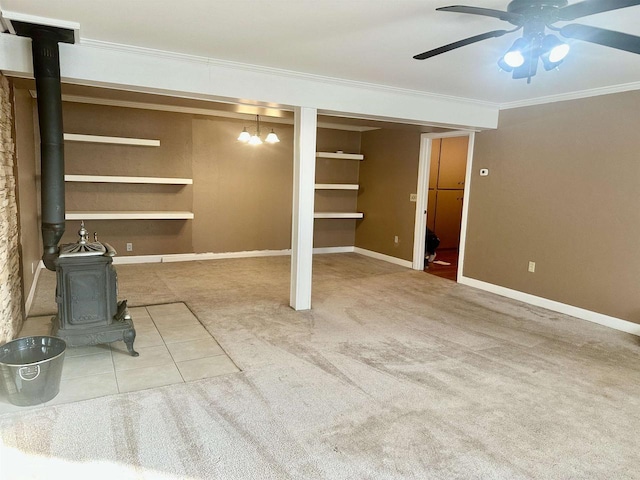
(514, 18)
(460, 43)
(608, 38)
(591, 7)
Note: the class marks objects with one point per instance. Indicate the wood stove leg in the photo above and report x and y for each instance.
(129, 336)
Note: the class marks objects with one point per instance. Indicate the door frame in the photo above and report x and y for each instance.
(424, 166)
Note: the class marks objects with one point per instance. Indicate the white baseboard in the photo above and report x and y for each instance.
(382, 256)
(32, 290)
(599, 318)
(137, 259)
(190, 257)
(321, 250)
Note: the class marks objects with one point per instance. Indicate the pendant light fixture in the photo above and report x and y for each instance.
(272, 137)
(246, 137)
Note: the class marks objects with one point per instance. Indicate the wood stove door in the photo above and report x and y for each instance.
(87, 294)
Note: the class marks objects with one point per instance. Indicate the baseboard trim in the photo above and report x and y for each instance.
(192, 257)
(321, 250)
(32, 290)
(137, 259)
(188, 257)
(382, 256)
(581, 313)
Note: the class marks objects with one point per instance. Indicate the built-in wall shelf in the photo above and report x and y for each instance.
(128, 215)
(142, 142)
(340, 156)
(338, 215)
(117, 179)
(337, 186)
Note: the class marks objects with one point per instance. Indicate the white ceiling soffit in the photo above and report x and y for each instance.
(370, 41)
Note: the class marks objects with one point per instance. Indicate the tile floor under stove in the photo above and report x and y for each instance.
(174, 347)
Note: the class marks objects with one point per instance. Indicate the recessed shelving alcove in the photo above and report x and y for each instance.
(338, 186)
(123, 179)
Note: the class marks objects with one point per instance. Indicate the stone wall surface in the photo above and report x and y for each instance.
(11, 310)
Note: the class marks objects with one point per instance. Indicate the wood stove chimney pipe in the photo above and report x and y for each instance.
(46, 67)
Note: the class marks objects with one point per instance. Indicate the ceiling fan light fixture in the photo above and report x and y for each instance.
(554, 49)
(557, 54)
(514, 59)
(504, 66)
(553, 52)
(534, 17)
(515, 56)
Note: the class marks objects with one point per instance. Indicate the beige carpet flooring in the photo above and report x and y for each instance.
(394, 374)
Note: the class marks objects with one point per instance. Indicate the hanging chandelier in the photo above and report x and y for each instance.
(246, 137)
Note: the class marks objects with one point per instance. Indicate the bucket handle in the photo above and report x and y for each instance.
(29, 372)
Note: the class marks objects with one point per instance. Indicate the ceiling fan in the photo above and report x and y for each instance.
(534, 17)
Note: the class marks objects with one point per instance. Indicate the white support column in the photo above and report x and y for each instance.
(304, 172)
(422, 190)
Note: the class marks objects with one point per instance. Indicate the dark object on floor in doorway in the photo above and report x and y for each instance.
(450, 272)
(431, 243)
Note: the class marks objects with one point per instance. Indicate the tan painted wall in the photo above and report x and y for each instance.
(28, 206)
(563, 191)
(332, 140)
(242, 195)
(388, 175)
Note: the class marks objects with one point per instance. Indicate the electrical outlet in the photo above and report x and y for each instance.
(129, 247)
(413, 197)
(532, 267)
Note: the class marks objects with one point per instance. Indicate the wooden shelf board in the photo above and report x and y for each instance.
(143, 142)
(338, 215)
(340, 156)
(118, 179)
(129, 215)
(337, 186)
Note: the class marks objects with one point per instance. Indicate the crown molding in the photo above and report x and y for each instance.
(594, 92)
(355, 83)
(280, 72)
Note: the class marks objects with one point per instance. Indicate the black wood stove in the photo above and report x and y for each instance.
(87, 285)
(87, 296)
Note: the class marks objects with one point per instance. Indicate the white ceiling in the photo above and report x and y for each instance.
(363, 40)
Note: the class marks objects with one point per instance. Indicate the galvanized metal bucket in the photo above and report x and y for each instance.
(30, 369)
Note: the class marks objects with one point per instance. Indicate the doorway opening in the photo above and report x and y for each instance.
(444, 170)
